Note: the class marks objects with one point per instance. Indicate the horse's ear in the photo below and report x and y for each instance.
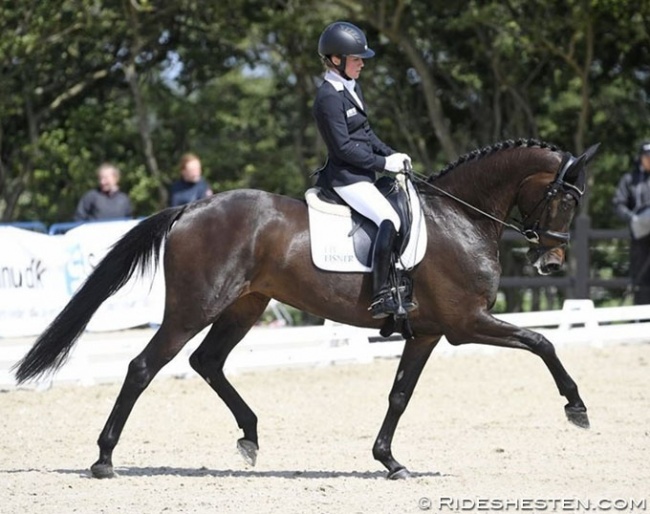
(575, 174)
(591, 151)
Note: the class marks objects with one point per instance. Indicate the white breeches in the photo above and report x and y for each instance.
(366, 199)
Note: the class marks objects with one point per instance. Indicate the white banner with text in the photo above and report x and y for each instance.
(39, 274)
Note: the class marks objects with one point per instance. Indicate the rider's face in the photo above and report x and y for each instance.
(353, 65)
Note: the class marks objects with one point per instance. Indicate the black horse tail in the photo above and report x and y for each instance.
(137, 249)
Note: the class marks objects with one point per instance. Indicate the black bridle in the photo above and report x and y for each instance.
(531, 232)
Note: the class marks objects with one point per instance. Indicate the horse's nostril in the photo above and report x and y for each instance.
(553, 267)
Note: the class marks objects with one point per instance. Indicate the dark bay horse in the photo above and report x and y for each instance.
(225, 258)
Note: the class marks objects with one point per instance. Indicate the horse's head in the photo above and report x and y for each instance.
(548, 207)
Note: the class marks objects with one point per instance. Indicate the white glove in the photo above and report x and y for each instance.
(395, 162)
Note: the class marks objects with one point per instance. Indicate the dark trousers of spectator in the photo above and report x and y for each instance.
(640, 269)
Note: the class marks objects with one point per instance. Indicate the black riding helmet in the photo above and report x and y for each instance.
(342, 39)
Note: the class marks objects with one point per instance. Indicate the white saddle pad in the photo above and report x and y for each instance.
(332, 248)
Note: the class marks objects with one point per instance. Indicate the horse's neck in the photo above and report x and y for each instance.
(490, 184)
(491, 191)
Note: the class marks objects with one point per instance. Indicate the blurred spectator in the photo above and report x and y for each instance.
(191, 185)
(632, 204)
(106, 201)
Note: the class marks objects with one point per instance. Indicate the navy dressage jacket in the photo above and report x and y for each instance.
(354, 152)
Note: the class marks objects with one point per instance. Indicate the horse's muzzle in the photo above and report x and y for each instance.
(547, 260)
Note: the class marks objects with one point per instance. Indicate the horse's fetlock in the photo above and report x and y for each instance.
(248, 422)
(380, 452)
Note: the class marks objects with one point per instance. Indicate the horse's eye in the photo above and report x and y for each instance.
(567, 202)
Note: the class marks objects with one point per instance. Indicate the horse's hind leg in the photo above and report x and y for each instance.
(162, 348)
(209, 358)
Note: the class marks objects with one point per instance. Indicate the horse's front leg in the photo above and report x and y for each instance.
(483, 328)
(414, 357)
(575, 409)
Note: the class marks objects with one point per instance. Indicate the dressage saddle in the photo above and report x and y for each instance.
(364, 232)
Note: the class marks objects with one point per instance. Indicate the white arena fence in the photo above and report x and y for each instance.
(104, 357)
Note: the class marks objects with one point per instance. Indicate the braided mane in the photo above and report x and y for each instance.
(489, 150)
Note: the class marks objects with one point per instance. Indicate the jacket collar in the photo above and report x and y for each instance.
(349, 87)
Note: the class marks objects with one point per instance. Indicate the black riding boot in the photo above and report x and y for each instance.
(383, 304)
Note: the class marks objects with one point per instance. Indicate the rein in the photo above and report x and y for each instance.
(418, 178)
(532, 235)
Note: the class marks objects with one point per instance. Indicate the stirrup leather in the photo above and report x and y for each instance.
(404, 293)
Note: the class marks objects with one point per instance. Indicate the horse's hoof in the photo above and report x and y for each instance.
(248, 450)
(102, 470)
(398, 474)
(577, 416)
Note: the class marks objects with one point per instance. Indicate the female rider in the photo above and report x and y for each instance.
(354, 152)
